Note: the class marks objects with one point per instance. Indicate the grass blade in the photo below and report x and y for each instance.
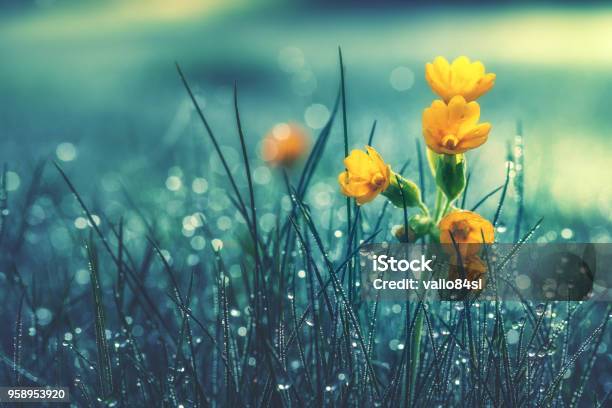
(104, 369)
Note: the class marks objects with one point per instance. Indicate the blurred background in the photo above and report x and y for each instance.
(93, 85)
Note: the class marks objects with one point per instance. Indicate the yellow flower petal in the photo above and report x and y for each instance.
(366, 198)
(468, 230)
(437, 74)
(366, 175)
(476, 136)
(462, 77)
(454, 128)
(343, 181)
(482, 87)
(359, 163)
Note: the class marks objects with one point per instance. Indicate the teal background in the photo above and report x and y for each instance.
(102, 77)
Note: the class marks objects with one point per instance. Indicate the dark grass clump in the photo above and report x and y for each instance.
(277, 320)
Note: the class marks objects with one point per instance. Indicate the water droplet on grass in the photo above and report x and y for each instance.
(174, 183)
(217, 244)
(12, 181)
(567, 233)
(66, 152)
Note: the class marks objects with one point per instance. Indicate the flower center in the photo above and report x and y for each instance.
(450, 141)
(378, 179)
(460, 230)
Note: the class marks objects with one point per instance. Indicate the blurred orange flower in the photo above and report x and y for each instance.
(454, 128)
(366, 175)
(285, 144)
(462, 77)
(468, 229)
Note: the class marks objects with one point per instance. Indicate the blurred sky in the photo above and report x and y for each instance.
(101, 76)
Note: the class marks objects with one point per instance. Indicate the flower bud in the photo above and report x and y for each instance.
(419, 225)
(450, 174)
(399, 232)
(402, 192)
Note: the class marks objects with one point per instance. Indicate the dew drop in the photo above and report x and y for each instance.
(217, 244)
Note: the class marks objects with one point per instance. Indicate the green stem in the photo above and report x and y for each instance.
(415, 350)
(438, 204)
(424, 209)
(447, 206)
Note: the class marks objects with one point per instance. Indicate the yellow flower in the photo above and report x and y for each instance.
(285, 144)
(468, 230)
(462, 77)
(365, 177)
(454, 128)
